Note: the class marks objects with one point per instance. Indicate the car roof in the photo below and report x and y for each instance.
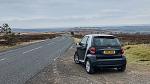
(99, 35)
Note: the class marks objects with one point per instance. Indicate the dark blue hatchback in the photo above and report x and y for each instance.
(99, 50)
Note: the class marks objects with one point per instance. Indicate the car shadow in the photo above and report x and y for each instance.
(104, 70)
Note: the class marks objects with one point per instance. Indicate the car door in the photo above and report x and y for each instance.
(81, 49)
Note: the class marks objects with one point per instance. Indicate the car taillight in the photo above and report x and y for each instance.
(122, 51)
(92, 50)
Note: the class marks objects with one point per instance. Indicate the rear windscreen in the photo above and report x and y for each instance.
(106, 41)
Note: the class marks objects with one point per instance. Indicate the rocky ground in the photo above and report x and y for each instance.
(64, 71)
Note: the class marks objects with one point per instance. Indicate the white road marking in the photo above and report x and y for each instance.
(50, 43)
(14, 50)
(3, 59)
(32, 49)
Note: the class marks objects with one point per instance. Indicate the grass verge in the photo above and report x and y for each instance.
(77, 40)
(138, 53)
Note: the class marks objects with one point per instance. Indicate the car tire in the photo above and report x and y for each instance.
(88, 66)
(122, 68)
(76, 58)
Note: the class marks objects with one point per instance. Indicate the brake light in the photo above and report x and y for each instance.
(92, 50)
(122, 51)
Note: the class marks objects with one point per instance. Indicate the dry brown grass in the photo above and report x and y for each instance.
(6, 47)
(77, 40)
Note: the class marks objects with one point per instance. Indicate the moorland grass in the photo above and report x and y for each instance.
(138, 53)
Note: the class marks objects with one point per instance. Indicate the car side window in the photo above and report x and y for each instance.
(84, 40)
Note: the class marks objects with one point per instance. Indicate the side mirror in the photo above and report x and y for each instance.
(77, 43)
(80, 44)
(84, 45)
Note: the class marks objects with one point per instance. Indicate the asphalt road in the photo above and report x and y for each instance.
(19, 65)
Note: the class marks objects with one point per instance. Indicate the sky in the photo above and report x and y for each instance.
(73, 13)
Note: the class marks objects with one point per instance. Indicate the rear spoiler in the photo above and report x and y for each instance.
(105, 37)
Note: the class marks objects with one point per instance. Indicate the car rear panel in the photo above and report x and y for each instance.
(100, 52)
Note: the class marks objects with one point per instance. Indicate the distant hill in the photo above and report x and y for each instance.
(130, 29)
(39, 30)
(126, 29)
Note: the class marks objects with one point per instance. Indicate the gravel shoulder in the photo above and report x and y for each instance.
(64, 71)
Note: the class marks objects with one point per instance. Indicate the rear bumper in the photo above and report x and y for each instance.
(108, 63)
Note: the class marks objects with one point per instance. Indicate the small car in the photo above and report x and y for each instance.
(100, 51)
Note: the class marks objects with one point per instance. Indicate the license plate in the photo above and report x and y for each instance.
(109, 52)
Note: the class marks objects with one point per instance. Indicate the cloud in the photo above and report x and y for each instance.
(54, 13)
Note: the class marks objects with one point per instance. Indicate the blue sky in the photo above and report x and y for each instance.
(70, 13)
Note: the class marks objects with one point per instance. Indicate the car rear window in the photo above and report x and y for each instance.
(106, 41)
